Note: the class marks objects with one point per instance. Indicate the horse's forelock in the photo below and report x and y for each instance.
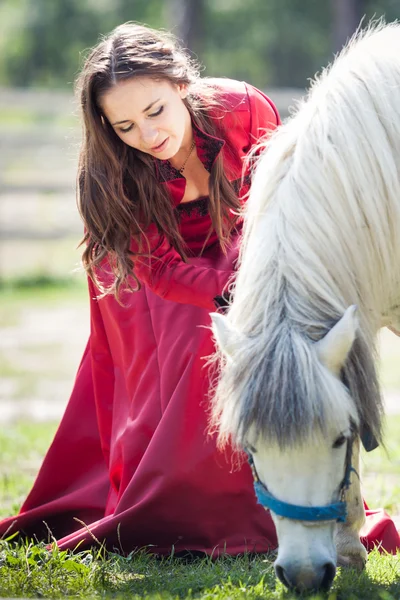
(276, 389)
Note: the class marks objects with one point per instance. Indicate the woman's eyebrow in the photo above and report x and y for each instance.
(144, 110)
(150, 105)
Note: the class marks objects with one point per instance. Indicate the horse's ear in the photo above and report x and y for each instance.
(336, 345)
(223, 333)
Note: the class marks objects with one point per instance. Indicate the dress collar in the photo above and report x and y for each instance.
(208, 148)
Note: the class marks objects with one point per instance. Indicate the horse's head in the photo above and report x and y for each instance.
(301, 447)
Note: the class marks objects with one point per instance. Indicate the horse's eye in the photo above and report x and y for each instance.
(339, 441)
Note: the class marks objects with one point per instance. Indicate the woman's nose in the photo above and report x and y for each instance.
(149, 135)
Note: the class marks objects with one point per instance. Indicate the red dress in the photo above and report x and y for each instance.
(132, 463)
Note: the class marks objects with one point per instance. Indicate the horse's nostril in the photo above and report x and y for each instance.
(280, 573)
(318, 578)
(329, 575)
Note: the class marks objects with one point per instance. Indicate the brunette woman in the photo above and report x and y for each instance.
(159, 190)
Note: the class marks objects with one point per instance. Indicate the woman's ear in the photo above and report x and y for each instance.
(182, 90)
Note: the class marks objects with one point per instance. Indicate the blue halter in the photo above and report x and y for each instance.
(336, 511)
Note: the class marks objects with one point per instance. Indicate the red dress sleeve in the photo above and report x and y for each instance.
(264, 116)
(168, 276)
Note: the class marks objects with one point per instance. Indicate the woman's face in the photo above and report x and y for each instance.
(149, 115)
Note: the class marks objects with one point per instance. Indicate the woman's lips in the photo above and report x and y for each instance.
(161, 147)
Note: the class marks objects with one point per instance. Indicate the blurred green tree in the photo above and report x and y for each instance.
(42, 40)
(268, 42)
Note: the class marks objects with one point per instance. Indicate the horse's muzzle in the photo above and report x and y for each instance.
(320, 577)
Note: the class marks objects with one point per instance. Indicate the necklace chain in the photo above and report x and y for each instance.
(187, 158)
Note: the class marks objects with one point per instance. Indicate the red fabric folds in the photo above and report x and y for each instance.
(380, 531)
(132, 458)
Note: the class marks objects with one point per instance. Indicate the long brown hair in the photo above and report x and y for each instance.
(118, 192)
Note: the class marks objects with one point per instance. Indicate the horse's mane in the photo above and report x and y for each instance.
(320, 234)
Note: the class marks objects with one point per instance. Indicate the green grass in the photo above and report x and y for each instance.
(30, 570)
(389, 360)
(381, 470)
(22, 447)
(34, 362)
(41, 285)
(38, 290)
(23, 117)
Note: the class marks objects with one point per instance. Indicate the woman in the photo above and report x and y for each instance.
(160, 187)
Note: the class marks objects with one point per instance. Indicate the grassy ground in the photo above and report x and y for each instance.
(381, 470)
(31, 571)
(43, 330)
(22, 447)
(38, 290)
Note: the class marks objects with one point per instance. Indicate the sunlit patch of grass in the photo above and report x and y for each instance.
(381, 470)
(22, 441)
(32, 361)
(24, 382)
(27, 379)
(35, 281)
(31, 570)
(39, 290)
(25, 116)
(22, 447)
(42, 284)
(389, 361)
(390, 372)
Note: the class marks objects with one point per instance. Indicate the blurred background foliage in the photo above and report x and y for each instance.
(267, 42)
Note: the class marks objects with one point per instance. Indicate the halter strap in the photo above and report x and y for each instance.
(332, 512)
(336, 511)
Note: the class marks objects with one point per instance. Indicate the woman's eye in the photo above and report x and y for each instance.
(158, 112)
(155, 114)
(127, 129)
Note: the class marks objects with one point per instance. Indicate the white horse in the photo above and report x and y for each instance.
(318, 277)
